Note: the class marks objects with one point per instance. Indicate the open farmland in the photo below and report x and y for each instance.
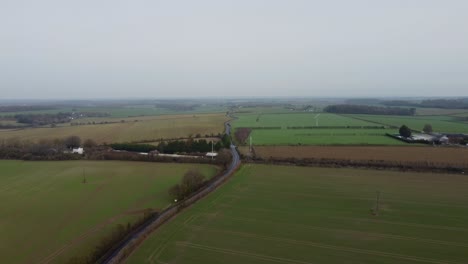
(401, 154)
(327, 136)
(313, 129)
(296, 119)
(439, 111)
(49, 215)
(447, 124)
(148, 128)
(124, 110)
(283, 214)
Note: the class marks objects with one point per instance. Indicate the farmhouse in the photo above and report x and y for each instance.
(78, 151)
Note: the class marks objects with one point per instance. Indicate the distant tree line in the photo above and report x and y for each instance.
(367, 109)
(57, 118)
(177, 106)
(24, 108)
(44, 149)
(42, 119)
(431, 103)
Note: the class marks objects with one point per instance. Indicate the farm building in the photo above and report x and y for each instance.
(211, 154)
(78, 151)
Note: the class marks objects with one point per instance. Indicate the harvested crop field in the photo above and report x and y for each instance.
(445, 155)
(148, 128)
(49, 215)
(283, 214)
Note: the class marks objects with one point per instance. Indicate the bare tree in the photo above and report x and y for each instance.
(72, 142)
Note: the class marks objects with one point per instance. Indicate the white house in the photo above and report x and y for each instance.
(78, 151)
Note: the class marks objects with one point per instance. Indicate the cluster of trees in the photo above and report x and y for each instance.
(45, 149)
(134, 147)
(405, 131)
(176, 146)
(188, 146)
(367, 109)
(192, 181)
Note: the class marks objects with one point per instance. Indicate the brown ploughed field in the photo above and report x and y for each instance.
(446, 155)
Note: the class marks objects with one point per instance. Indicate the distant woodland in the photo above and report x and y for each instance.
(370, 110)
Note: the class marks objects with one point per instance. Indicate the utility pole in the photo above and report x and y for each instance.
(84, 176)
(377, 204)
(250, 148)
(212, 150)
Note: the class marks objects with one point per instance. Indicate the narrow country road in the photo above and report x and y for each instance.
(114, 256)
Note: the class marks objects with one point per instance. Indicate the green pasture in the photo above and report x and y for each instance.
(296, 119)
(48, 214)
(446, 124)
(280, 214)
(324, 137)
(314, 135)
(338, 135)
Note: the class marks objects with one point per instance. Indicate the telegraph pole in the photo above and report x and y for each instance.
(212, 150)
(377, 203)
(84, 176)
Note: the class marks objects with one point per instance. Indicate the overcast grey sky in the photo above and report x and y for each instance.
(136, 48)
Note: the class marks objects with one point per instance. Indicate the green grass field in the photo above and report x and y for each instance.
(147, 128)
(338, 136)
(296, 119)
(319, 136)
(324, 137)
(279, 214)
(439, 123)
(48, 214)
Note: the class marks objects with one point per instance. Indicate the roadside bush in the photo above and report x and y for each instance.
(192, 181)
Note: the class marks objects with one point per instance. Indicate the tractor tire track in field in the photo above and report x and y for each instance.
(154, 256)
(328, 229)
(73, 215)
(128, 245)
(309, 195)
(77, 240)
(441, 227)
(241, 253)
(88, 233)
(319, 245)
